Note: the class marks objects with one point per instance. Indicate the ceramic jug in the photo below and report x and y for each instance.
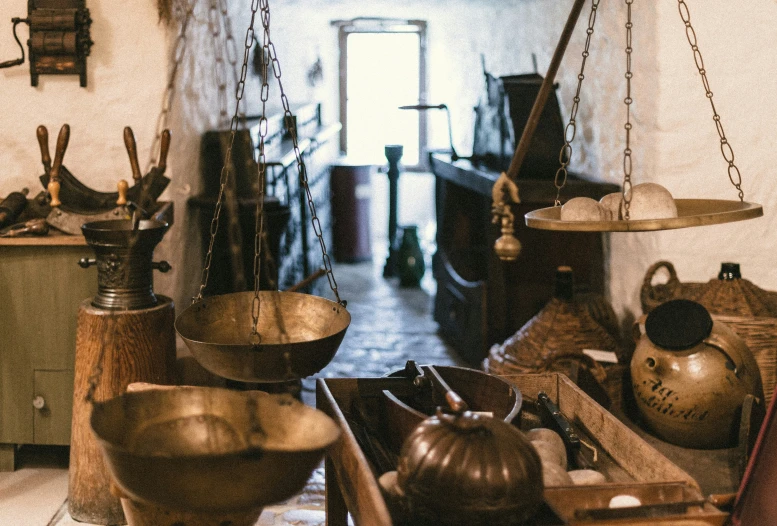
(691, 375)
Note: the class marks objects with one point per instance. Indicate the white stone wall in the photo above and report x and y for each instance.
(675, 143)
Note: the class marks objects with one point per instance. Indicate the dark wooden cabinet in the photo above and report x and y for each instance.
(481, 300)
(294, 246)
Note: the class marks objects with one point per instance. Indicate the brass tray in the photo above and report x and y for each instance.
(306, 329)
(690, 212)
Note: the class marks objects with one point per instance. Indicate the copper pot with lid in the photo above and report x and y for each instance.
(468, 469)
(690, 376)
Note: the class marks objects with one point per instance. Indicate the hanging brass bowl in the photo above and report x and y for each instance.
(217, 331)
(690, 213)
(210, 450)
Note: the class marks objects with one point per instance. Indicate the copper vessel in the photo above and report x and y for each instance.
(469, 470)
(210, 450)
(690, 376)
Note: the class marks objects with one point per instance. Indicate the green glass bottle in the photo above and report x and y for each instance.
(411, 258)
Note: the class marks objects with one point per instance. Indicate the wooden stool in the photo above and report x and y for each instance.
(139, 347)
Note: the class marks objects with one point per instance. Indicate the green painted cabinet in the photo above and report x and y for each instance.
(41, 287)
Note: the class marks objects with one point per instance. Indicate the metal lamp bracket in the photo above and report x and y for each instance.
(59, 39)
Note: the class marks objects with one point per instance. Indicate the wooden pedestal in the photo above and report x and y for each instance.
(139, 347)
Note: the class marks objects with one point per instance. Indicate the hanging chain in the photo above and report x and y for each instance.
(179, 50)
(262, 169)
(239, 89)
(628, 100)
(565, 155)
(292, 127)
(725, 147)
(220, 68)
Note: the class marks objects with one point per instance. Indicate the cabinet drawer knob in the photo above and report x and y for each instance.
(39, 402)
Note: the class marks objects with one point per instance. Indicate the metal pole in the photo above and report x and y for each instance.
(393, 154)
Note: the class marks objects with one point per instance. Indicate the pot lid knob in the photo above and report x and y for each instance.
(678, 324)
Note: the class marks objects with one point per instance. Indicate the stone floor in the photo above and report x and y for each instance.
(389, 326)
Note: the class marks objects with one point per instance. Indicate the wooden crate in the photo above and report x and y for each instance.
(624, 457)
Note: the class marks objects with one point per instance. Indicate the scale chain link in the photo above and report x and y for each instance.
(627, 160)
(179, 51)
(303, 177)
(725, 147)
(239, 90)
(565, 155)
(264, 95)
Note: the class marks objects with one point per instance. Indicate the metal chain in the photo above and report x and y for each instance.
(628, 100)
(230, 44)
(292, 127)
(262, 171)
(179, 50)
(220, 67)
(239, 89)
(565, 155)
(725, 147)
(217, 16)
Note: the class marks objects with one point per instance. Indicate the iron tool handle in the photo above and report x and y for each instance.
(163, 149)
(161, 266)
(18, 61)
(86, 262)
(132, 150)
(43, 142)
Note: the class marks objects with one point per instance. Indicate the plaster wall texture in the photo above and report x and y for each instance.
(674, 139)
(127, 74)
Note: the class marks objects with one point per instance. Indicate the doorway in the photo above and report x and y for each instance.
(382, 67)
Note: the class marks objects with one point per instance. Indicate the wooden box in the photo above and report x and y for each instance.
(628, 461)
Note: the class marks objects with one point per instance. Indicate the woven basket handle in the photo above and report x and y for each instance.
(650, 296)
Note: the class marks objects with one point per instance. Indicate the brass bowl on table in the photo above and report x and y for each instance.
(210, 450)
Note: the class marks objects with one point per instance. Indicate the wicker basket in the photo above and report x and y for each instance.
(760, 335)
(735, 297)
(551, 339)
(749, 310)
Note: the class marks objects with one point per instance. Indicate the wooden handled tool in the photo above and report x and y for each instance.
(43, 142)
(455, 402)
(164, 147)
(122, 188)
(59, 154)
(132, 150)
(33, 227)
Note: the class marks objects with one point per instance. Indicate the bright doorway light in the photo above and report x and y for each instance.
(383, 74)
(382, 67)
